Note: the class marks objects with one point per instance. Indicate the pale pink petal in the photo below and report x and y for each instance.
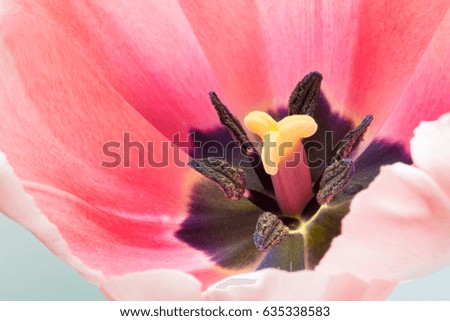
(366, 50)
(427, 94)
(431, 152)
(57, 114)
(9, 8)
(20, 206)
(398, 228)
(149, 54)
(272, 284)
(160, 285)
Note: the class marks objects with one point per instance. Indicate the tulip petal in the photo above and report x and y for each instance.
(20, 206)
(430, 151)
(149, 54)
(427, 94)
(366, 50)
(58, 113)
(273, 284)
(396, 229)
(160, 285)
(387, 53)
(258, 74)
(231, 38)
(399, 226)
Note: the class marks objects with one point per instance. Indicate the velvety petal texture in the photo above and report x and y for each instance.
(57, 115)
(232, 40)
(19, 206)
(384, 42)
(146, 50)
(272, 284)
(427, 94)
(399, 227)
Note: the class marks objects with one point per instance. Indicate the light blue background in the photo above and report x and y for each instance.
(28, 271)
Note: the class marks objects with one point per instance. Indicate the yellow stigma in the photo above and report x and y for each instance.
(280, 139)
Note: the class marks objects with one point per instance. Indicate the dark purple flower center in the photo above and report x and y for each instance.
(234, 216)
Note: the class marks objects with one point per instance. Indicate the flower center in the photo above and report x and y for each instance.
(261, 233)
(280, 138)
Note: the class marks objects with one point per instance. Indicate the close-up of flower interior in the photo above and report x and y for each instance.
(230, 150)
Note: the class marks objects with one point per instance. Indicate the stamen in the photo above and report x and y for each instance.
(241, 139)
(334, 179)
(305, 97)
(232, 123)
(351, 141)
(270, 231)
(229, 178)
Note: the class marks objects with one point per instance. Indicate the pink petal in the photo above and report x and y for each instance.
(427, 94)
(19, 205)
(272, 284)
(230, 35)
(118, 244)
(161, 285)
(57, 114)
(398, 228)
(305, 36)
(149, 54)
(366, 50)
(430, 150)
(392, 39)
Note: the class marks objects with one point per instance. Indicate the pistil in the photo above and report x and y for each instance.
(280, 139)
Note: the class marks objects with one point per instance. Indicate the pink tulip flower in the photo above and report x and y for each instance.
(78, 75)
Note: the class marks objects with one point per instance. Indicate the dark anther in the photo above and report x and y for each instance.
(306, 95)
(270, 231)
(334, 179)
(351, 141)
(232, 123)
(240, 137)
(229, 178)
